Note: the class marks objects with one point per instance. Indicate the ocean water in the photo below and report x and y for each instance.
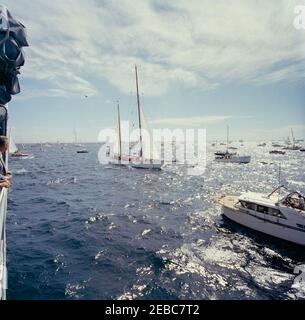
(77, 229)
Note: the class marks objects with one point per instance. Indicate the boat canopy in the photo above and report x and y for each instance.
(294, 200)
(12, 39)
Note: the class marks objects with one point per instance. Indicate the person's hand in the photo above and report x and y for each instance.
(5, 183)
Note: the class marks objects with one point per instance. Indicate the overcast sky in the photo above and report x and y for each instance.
(202, 64)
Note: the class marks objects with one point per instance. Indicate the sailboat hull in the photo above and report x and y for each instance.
(147, 166)
(235, 159)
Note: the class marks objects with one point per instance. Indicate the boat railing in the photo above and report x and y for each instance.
(3, 272)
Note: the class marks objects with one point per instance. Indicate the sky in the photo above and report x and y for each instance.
(201, 64)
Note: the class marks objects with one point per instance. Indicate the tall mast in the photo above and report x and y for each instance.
(139, 113)
(227, 139)
(279, 194)
(75, 135)
(293, 141)
(120, 137)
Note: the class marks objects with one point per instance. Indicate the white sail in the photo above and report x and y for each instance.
(150, 150)
(12, 146)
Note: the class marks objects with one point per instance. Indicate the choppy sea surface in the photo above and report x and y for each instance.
(77, 229)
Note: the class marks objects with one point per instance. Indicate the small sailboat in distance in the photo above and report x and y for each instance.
(82, 150)
(230, 157)
(292, 147)
(13, 150)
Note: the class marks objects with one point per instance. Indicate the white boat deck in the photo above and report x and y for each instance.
(260, 199)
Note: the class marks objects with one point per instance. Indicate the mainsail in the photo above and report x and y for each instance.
(150, 151)
(147, 149)
(12, 146)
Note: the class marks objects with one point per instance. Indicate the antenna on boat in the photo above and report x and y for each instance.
(228, 139)
(279, 194)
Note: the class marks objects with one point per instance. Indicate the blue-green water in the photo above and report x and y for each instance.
(77, 229)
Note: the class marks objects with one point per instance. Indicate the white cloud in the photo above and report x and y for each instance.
(283, 132)
(196, 43)
(190, 121)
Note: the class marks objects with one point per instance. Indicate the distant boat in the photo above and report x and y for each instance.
(231, 157)
(13, 150)
(277, 145)
(262, 144)
(292, 147)
(277, 152)
(19, 154)
(223, 153)
(77, 144)
(302, 150)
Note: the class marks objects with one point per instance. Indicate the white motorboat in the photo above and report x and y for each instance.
(274, 214)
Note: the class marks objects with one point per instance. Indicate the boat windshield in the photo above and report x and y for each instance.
(294, 200)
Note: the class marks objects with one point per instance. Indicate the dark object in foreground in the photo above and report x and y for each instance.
(12, 39)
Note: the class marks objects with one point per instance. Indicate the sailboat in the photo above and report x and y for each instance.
(82, 150)
(294, 146)
(13, 150)
(144, 159)
(119, 158)
(231, 157)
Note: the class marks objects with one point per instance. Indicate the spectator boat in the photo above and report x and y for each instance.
(82, 151)
(231, 157)
(293, 146)
(277, 152)
(280, 216)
